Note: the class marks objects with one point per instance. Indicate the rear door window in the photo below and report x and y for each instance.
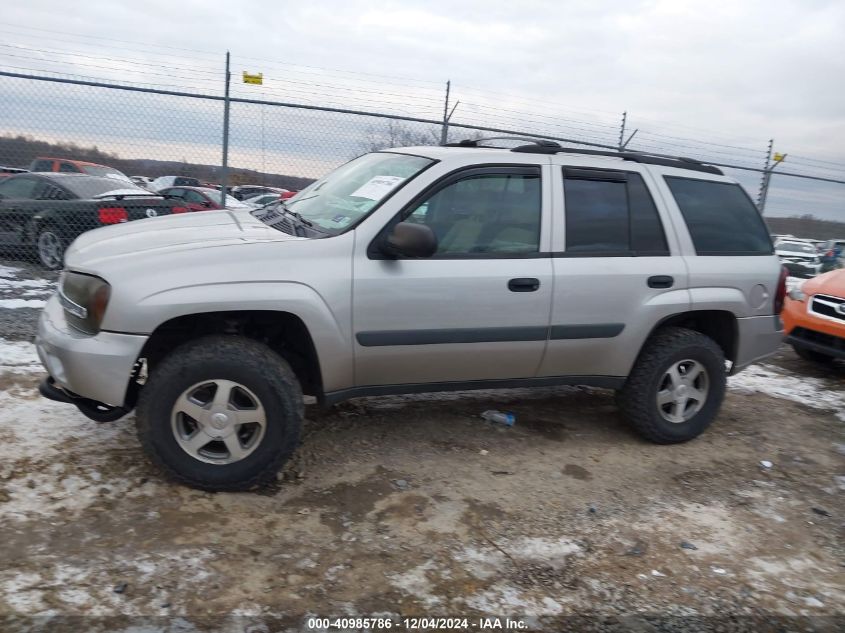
(720, 217)
(610, 213)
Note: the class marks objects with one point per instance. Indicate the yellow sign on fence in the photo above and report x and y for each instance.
(253, 79)
(779, 157)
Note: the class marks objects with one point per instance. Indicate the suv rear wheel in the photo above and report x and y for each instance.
(221, 413)
(676, 387)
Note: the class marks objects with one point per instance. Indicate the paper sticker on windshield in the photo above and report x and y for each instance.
(377, 187)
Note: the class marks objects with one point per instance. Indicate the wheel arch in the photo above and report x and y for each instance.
(283, 332)
(719, 325)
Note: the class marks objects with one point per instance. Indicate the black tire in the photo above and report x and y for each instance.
(50, 247)
(246, 362)
(638, 397)
(812, 355)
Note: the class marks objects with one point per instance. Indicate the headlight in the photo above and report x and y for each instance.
(84, 298)
(796, 294)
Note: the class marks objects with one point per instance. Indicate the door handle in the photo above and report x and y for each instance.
(661, 281)
(524, 284)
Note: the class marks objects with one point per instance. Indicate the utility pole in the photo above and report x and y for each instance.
(444, 131)
(224, 172)
(622, 131)
(767, 175)
(447, 115)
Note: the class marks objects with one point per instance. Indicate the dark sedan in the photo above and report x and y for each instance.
(43, 213)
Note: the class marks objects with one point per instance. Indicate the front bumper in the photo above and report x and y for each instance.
(758, 337)
(96, 367)
(817, 342)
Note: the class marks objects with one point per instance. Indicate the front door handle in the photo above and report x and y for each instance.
(524, 284)
(661, 281)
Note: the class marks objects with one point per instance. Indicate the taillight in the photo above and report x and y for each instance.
(179, 210)
(829, 254)
(780, 295)
(113, 215)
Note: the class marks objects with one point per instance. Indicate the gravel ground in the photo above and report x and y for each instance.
(414, 506)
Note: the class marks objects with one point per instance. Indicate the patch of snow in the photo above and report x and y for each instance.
(508, 600)
(415, 582)
(14, 304)
(805, 390)
(81, 588)
(18, 355)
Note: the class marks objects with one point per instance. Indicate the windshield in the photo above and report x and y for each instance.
(797, 248)
(337, 201)
(108, 172)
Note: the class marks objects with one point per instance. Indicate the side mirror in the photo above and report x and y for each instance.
(407, 239)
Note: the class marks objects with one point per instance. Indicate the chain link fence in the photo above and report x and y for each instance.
(155, 152)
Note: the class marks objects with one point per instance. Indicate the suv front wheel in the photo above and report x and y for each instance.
(221, 413)
(676, 386)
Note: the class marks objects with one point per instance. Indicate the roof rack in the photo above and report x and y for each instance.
(544, 146)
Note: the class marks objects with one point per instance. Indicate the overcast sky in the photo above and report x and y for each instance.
(728, 73)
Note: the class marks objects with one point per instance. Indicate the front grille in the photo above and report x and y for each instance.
(827, 306)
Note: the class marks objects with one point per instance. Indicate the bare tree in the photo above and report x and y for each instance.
(398, 134)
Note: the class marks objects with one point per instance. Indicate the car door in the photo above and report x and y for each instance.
(478, 309)
(615, 276)
(16, 208)
(196, 201)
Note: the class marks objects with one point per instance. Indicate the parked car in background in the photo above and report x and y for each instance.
(814, 317)
(45, 212)
(831, 255)
(242, 192)
(69, 166)
(800, 258)
(261, 200)
(204, 199)
(417, 269)
(174, 181)
(142, 181)
(5, 171)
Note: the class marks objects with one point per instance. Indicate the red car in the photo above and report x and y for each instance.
(203, 199)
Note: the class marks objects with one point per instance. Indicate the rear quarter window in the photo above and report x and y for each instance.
(720, 217)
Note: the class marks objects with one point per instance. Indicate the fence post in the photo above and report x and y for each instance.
(224, 172)
(622, 131)
(444, 130)
(764, 181)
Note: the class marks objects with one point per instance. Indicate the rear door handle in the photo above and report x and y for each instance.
(661, 281)
(524, 284)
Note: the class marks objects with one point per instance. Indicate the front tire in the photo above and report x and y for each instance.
(221, 413)
(50, 247)
(676, 386)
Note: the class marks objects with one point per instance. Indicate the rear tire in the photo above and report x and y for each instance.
(221, 413)
(50, 247)
(812, 355)
(676, 386)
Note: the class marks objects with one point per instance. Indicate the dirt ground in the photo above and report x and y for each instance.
(415, 506)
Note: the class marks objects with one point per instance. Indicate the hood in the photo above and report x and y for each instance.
(181, 232)
(832, 283)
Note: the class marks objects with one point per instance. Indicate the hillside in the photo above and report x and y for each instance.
(807, 226)
(19, 151)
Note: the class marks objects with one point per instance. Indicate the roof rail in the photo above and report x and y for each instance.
(543, 146)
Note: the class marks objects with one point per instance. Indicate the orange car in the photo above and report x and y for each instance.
(814, 317)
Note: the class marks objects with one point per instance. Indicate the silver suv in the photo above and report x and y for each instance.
(416, 269)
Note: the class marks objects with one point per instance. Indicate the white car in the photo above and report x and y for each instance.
(801, 258)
